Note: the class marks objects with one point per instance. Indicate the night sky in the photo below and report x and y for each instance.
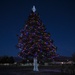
(58, 17)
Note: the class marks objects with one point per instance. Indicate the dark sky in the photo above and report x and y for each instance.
(57, 15)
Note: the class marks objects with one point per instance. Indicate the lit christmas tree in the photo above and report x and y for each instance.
(34, 42)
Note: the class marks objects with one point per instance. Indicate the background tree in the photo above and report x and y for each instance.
(34, 42)
(11, 60)
(6, 59)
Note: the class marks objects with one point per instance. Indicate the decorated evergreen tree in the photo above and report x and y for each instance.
(34, 42)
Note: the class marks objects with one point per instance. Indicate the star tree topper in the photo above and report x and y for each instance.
(33, 9)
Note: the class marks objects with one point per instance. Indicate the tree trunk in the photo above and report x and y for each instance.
(35, 65)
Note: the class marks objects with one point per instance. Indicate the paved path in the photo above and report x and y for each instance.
(49, 70)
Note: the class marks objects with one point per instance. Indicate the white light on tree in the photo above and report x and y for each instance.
(35, 65)
(33, 9)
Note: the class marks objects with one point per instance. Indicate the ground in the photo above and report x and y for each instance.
(27, 70)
